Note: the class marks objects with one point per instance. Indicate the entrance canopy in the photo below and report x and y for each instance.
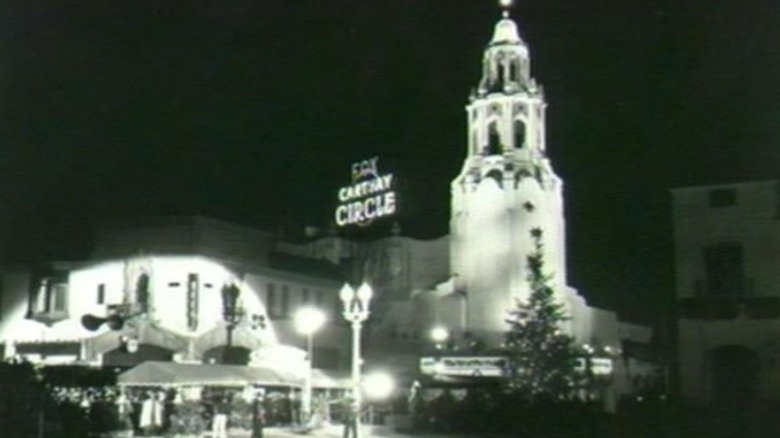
(155, 373)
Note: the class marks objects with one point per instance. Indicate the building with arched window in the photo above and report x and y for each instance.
(727, 249)
(201, 291)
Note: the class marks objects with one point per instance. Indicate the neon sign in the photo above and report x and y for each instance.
(369, 197)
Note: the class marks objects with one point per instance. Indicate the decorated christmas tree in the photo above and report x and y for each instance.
(542, 360)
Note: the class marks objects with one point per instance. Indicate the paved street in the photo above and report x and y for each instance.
(331, 431)
(335, 431)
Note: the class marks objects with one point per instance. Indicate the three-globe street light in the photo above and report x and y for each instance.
(307, 321)
(356, 311)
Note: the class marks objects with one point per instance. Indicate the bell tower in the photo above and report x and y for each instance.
(505, 189)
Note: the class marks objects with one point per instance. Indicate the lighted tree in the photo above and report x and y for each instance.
(542, 360)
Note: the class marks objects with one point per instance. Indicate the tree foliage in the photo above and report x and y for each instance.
(542, 359)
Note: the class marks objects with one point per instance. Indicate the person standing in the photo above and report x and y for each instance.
(148, 419)
(220, 420)
(258, 416)
(350, 414)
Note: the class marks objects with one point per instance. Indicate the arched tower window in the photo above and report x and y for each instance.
(494, 140)
(501, 73)
(142, 292)
(497, 176)
(514, 72)
(519, 128)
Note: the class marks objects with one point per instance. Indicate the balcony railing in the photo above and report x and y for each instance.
(707, 288)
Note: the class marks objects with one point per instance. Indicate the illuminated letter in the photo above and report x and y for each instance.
(344, 194)
(341, 216)
(387, 180)
(357, 212)
(390, 203)
(369, 208)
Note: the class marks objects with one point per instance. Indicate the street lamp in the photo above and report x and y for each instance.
(356, 311)
(439, 335)
(307, 321)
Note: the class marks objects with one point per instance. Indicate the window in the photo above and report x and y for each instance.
(59, 298)
(101, 293)
(513, 72)
(142, 292)
(723, 266)
(277, 301)
(722, 198)
(49, 299)
(519, 134)
(285, 308)
(270, 301)
(494, 140)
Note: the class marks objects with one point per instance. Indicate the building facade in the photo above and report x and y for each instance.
(727, 249)
(202, 291)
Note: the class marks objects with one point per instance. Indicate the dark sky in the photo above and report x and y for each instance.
(252, 111)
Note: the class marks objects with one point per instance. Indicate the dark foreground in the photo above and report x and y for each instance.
(656, 420)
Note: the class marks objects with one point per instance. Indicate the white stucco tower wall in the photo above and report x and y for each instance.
(506, 188)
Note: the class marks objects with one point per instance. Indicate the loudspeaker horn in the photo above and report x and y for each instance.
(92, 322)
(115, 322)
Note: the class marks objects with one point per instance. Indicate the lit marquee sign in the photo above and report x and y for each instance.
(474, 366)
(369, 197)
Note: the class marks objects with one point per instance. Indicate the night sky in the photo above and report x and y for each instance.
(253, 111)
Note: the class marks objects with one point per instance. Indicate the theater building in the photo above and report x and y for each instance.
(466, 281)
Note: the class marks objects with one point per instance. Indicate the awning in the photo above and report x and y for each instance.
(155, 373)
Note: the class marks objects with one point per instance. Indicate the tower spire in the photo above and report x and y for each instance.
(505, 5)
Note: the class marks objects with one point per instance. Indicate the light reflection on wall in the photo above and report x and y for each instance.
(168, 299)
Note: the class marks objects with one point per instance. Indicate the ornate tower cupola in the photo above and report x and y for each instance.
(506, 111)
(506, 65)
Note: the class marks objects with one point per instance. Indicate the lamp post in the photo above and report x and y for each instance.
(307, 321)
(356, 311)
(232, 314)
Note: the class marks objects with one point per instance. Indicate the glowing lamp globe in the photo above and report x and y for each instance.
(378, 385)
(505, 3)
(346, 293)
(439, 334)
(364, 292)
(308, 320)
